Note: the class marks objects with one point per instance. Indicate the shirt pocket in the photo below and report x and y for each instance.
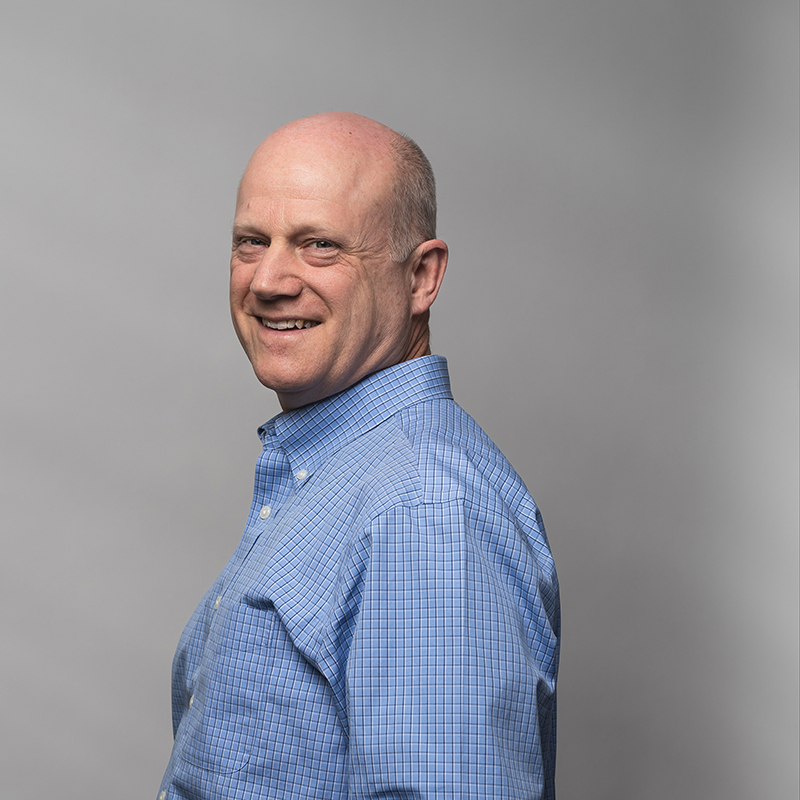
(223, 721)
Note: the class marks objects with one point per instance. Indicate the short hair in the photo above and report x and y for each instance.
(412, 218)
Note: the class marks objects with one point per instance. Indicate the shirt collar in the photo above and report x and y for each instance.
(310, 434)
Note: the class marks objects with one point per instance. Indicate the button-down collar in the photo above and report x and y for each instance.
(308, 435)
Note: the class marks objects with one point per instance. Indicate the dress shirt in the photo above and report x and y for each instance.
(388, 626)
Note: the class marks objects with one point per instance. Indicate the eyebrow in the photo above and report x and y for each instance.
(306, 229)
(238, 228)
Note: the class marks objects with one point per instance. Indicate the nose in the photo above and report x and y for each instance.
(276, 275)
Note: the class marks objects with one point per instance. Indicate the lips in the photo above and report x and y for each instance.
(287, 324)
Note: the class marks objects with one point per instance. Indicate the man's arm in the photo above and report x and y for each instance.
(451, 674)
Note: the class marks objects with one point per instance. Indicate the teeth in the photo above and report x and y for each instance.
(285, 324)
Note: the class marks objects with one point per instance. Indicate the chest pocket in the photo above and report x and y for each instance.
(226, 712)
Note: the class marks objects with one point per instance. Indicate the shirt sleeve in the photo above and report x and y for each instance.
(451, 673)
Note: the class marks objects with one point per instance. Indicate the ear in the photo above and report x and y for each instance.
(428, 263)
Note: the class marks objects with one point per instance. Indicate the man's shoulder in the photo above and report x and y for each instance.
(432, 452)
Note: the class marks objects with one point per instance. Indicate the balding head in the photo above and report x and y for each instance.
(360, 142)
(332, 272)
(345, 129)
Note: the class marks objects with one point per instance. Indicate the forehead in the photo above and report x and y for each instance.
(314, 171)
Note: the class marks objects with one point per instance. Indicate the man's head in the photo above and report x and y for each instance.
(334, 232)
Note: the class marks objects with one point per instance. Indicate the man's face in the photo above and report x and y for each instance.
(316, 300)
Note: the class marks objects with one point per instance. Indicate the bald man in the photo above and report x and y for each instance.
(389, 625)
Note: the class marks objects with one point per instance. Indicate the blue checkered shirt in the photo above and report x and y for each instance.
(388, 626)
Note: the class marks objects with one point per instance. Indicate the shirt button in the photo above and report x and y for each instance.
(191, 701)
(162, 796)
(265, 512)
(216, 602)
(301, 474)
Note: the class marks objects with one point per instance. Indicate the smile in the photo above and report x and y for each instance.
(286, 324)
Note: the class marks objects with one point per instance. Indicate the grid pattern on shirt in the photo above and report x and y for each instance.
(390, 629)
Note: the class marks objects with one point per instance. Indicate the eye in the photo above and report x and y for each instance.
(320, 252)
(249, 248)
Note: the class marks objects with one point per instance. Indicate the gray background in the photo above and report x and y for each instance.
(618, 184)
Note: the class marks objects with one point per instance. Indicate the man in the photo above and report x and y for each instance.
(388, 626)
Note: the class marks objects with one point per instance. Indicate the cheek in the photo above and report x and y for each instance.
(239, 283)
(394, 301)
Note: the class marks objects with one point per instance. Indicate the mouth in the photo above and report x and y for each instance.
(288, 324)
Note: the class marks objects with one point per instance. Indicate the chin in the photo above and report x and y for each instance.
(281, 382)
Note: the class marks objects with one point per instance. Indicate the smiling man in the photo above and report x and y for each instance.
(389, 624)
